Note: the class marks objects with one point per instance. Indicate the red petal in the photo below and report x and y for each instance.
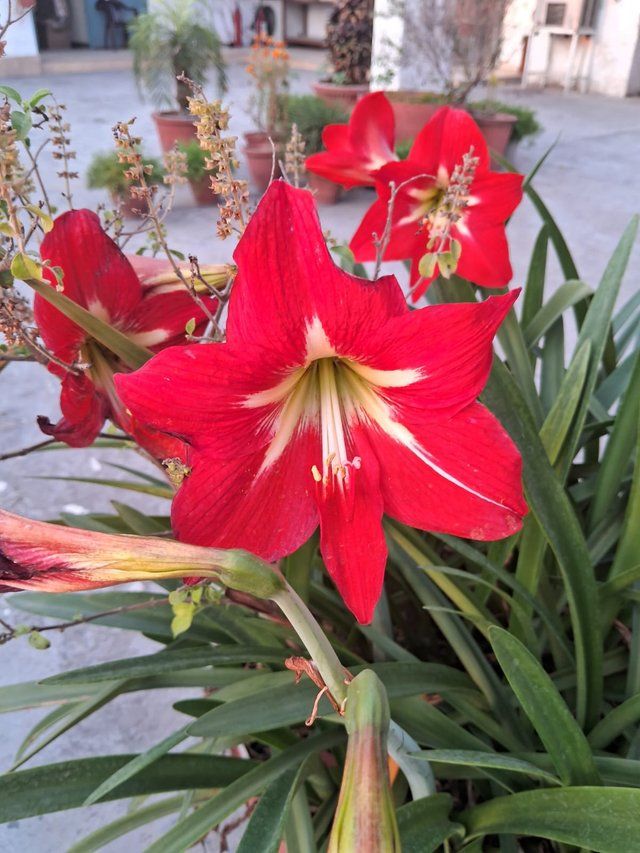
(451, 345)
(484, 259)
(356, 151)
(84, 412)
(351, 536)
(286, 278)
(97, 276)
(471, 448)
(444, 140)
(198, 393)
(406, 238)
(228, 503)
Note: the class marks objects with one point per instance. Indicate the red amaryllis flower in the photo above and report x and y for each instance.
(357, 150)
(331, 403)
(425, 206)
(132, 296)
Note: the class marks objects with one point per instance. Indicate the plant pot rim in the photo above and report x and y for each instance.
(415, 97)
(172, 115)
(344, 87)
(494, 118)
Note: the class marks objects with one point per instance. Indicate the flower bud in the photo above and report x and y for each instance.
(365, 817)
(52, 558)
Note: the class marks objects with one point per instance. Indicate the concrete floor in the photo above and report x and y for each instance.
(590, 182)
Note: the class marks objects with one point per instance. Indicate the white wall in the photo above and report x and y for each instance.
(21, 36)
(615, 47)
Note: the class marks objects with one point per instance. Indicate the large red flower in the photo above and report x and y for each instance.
(424, 178)
(357, 150)
(123, 292)
(331, 403)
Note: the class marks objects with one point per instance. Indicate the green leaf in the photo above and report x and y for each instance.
(273, 700)
(550, 504)
(266, 825)
(564, 740)
(66, 785)
(189, 830)
(557, 423)
(155, 491)
(424, 824)
(37, 96)
(596, 328)
(618, 452)
(170, 660)
(81, 711)
(488, 760)
(132, 354)
(136, 765)
(604, 820)
(123, 825)
(21, 123)
(11, 93)
(138, 522)
(616, 721)
(30, 694)
(568, 294)
(533, 295)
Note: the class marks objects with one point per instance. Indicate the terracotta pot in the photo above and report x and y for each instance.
(255, 138)
(202, 192)
(343, 97)
(174, 127)
(326, 192)
(260, 165)
(410, 113)
(496, 129)
(130, 206)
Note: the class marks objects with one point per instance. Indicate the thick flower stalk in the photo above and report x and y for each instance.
(140, 297)
(447, 202)
(331, 403)
(36, 555)
(358, 150)
(365, 817)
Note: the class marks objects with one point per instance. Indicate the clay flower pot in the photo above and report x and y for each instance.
(410, 113)
(130, 206)
(496, 129)
(202, 192)
(343, 97)
(326, 192)
(172, 127)
(259, 155)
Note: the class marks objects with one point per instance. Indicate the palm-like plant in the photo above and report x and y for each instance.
(168, 42)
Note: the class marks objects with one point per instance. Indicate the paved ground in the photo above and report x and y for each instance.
(590, 184)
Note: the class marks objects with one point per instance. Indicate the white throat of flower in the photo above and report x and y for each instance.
(333, 393)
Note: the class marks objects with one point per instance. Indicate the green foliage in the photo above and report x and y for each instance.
(526, 124)
(311, 115)
(106, 172)
(170, 41)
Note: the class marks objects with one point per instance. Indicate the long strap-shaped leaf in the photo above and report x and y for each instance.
(550, 504)
(605, 820)
(563, 739)
(132, 354)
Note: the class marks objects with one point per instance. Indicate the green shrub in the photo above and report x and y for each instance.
(312, 115)
(105, 172)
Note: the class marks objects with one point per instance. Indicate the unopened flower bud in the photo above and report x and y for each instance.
(365, 818)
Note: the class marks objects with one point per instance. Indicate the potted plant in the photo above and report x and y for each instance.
(198, 175)
(311, 115)
(168, 42)
(269, 69)
(459, 46)
(349, 34)
(107, 172)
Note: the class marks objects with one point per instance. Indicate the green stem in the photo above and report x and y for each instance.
(315, 640)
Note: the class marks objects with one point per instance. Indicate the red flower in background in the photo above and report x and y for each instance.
(420, 204)
(122, 292)
(331, 403)
(357, 150)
